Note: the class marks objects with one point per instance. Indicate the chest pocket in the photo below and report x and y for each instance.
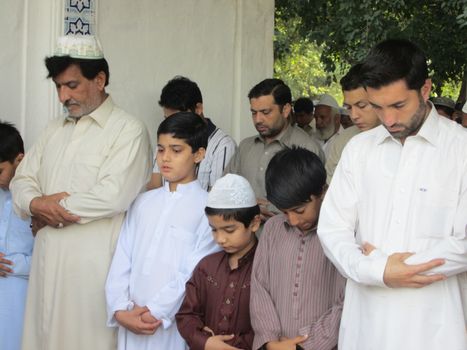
(20, 239)
(183, 243)
(85, 172)
(437, 210)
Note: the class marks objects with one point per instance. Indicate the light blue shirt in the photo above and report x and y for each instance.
(16, 239)
(16, 242)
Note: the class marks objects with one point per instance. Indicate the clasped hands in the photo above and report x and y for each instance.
(4, 266)
(138, 320)
(398, 274)
(46, 210)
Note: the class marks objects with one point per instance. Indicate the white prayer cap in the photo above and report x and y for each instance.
(464, 109)
(79, 46)
(444, 101)
(231, 192)
(327, 100)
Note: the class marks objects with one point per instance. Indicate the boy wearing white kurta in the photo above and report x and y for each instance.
(164, 236)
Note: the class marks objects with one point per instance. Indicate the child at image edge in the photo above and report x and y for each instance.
(215, 312)
(164, 236)
(16, 242)
(296, 292)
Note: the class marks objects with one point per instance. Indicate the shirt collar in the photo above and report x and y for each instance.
(248, 256)
(429, 130)
(294, 230)
(282, 138)
(183, 188)
(211, 127)
(101, 114)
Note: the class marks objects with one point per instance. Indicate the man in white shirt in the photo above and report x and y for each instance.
(76, 182)
(394, 220)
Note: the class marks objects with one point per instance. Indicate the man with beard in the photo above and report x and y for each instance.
(270, 105)
(327, 116)
(394, 218)
(76, 182)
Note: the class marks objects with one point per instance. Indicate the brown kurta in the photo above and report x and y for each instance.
(218, 297)
(295, 289)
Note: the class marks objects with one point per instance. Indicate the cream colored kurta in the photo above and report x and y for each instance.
(103, 161)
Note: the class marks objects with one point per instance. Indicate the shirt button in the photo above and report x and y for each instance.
(296, 284)
(231, 285)
(227, 301)
(266, 153)
(303, 241)
(295, 294)
(299, 258)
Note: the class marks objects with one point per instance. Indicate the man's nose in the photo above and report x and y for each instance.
(293, 219)
(63, 94)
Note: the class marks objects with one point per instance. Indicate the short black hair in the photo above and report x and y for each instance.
(292, 176)
(303, 104)
(180, 94)
(393, 60)
(186, 126)
(90, 68)
(243, 215)
(353, 79)
(11, 144)
(275, 87)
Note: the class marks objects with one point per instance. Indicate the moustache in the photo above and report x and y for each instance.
(70, 103)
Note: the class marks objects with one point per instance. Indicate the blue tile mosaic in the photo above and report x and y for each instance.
(80, 17)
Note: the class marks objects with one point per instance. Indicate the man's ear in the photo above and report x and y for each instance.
(18, 158)
(286, 110)
(426, 89)
(199, 108)
(100, 80)
(325, 189)
(199, 155)
(255, 223)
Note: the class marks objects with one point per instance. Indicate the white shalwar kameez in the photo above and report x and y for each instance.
(400, 198)
(164, 236)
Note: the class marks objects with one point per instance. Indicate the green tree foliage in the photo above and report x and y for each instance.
(301, 67)
(346, 30)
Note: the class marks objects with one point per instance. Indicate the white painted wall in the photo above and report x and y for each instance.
(224, 45)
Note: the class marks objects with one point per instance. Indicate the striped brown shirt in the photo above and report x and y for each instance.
(295, 289)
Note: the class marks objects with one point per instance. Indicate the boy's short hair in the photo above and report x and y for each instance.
(11, 144)
(243, 215)
(292, 176)
(186, 126)
(352, 80)
(303, 104)
(180, 94)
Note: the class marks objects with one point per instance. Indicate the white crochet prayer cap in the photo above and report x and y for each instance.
(231, 192)
(327, 100)
(464, 109)
(79, 46)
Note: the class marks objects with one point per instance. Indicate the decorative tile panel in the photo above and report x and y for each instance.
(80, 17)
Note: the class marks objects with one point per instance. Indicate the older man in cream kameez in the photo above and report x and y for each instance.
(76, 183)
